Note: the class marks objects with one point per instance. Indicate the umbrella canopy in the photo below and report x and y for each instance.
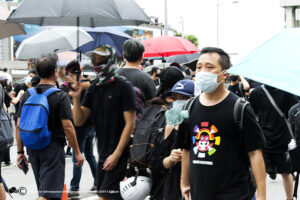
(183, 58)
(159, 66)
(65, 57)
(88, 13)
(165, 46)
(9, 29)
(105, 35)
(275, 63)
(52, 41)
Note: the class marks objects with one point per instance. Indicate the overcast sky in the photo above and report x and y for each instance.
(243, 25)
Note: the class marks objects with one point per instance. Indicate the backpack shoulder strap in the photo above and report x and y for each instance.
(32, 91)
(189, 104)
(238, 112)
(50, 91)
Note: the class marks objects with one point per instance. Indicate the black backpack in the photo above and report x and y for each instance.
(6, 130)
(148, 137)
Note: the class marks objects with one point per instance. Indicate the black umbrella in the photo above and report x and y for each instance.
(86, 13)
(183, 58)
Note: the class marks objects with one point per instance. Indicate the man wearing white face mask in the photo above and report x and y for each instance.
(215, 153)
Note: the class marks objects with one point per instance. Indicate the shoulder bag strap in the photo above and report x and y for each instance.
(279, 111)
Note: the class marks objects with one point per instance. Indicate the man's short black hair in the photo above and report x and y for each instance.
(154, 70)
(46, 66)
(32, 71)
(5, 69)
(133, 50)
(224, 57)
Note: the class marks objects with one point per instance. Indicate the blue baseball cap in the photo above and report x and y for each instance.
(185, 87)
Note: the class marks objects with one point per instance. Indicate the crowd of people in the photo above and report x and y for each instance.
(201, 152)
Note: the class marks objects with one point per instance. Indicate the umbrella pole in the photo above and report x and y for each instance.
(77, 22)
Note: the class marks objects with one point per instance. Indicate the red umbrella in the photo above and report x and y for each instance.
(165, 46)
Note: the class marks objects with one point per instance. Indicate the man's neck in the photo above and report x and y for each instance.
(132, 65)
(215, 97)
(48, 82)
(154, 77)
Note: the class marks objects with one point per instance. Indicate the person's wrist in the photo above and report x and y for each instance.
(20, 152)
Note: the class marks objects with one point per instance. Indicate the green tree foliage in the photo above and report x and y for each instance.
(192, 39)
(178, 33)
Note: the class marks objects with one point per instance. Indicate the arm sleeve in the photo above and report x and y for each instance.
(253, 137)
(65, 111)
(17, 89)
(128, 97)
(183, 139)
(150, 89)
(87, 100)
(294, 117)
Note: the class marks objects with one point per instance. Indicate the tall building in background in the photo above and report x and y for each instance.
(292, 13)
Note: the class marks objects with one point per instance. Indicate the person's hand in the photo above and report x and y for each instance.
(21, 93)
(61, 73)
(260, 198)
(20, 156)
(76, 90)
(176, 155)
(80, 159)
(110, 162)
(186, 192)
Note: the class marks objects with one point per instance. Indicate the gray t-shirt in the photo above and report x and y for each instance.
(139, 79)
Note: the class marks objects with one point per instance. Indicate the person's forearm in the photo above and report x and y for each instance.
(15, 100)
(20, 145)
(85, 85)
(258, 170)
(245, 83)
(72, 139)
(185, 168)
(125, 137)
(78, 113)
(167, 163)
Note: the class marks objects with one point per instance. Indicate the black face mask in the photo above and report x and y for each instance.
(99, 63)
(234, 78)
(157, 75)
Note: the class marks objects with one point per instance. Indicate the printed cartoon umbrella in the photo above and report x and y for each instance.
(105, 35)
(276, 62)
(53, 40)
(165, 46)
(9, 29)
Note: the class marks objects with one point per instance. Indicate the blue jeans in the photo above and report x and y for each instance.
(85, 136)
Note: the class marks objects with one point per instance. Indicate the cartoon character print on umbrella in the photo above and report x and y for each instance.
(205, 140)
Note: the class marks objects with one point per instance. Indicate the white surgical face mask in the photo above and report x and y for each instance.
(178, 104)
(207, 82)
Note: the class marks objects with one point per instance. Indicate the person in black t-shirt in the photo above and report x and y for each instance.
(239, 86)
(275, 131)
(111, 102)
(133, 55)
(155, 73)
(85, 134)
(215, 153)
(48, 164)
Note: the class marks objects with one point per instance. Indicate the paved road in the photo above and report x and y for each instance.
(15, 177)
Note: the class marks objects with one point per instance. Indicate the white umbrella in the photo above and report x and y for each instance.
(53, 40)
